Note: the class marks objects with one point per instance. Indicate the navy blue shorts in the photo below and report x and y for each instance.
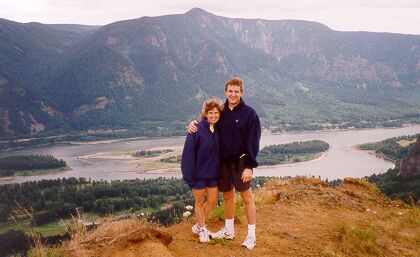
(204, 183)
(231, 176)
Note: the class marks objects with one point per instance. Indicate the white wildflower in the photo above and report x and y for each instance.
(186, 214)
(189, 207)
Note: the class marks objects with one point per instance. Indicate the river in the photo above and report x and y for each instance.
(340, 161)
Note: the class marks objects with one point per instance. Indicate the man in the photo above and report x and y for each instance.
(240, 132)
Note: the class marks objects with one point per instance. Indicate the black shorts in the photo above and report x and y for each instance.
(231, 176)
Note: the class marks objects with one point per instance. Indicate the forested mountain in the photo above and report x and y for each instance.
(157, 70)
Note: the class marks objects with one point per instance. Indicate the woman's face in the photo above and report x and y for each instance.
(213, 116)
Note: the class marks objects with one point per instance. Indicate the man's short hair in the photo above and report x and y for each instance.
(235, 81)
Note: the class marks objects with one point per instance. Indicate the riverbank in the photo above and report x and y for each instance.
(340, 161)
(29, 173)
(317, 157)
(152, 165)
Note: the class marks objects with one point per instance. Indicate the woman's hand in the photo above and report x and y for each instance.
(246, 175)
(192, 127)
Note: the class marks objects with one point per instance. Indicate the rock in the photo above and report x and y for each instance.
(411, 166)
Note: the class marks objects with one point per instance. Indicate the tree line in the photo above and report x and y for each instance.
(390, 182)
(147, 154)
(390, 147)
(50, 200)
(54, 199)
(275, 154)
(9, 165)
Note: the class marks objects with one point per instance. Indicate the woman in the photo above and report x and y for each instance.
(200, 165)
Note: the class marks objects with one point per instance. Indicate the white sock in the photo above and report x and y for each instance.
(229, 224)
(201, 228)
(251, 230)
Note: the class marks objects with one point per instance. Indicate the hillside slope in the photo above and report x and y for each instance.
(158, 70)
(298, 217)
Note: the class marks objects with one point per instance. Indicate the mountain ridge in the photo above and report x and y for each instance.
(130, 73)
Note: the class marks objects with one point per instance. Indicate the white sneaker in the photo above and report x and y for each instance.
(224, 233)
(195, 229)
(203, 235)
(249, 242)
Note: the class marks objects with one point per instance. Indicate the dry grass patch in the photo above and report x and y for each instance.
(404, 143)
(360, 240)
(360, 182)
(114, 237)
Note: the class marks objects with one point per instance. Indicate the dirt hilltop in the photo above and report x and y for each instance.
(297, 217)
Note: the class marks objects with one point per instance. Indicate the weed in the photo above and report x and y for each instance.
(272, 182)
(360, 239)
(413, 216)
(361, 182)
(218, 212)
(219, 241)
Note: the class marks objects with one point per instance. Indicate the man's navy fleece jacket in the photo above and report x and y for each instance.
(240, 133)
(200, 157)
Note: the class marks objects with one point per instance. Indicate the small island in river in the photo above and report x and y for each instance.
(30, 165)
(292, 152)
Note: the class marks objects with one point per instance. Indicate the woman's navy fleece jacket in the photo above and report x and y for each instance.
(200, 157)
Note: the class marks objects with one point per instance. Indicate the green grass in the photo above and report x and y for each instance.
(360, 239)
(147, 154)
(40, 172)
(220, 241)
(294, 158)
(49, 229)
(172, 159)
(52, 228)
(218, 212)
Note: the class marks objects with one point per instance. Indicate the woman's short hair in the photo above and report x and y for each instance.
(235, 81)
(210, 104)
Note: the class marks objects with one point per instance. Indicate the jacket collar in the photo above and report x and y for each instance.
(205, 123)
(241, 103)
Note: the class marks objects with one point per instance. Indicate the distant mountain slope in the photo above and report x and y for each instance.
(159, 69)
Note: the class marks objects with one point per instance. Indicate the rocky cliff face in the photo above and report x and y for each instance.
(410, 167)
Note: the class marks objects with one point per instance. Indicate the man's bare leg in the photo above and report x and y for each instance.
(228, 231)
(229, 201)
(248, 199)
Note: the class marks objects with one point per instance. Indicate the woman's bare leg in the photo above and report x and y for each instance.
(199, 196)
(211, 200)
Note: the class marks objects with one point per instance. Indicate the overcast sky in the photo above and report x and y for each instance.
(399, 16)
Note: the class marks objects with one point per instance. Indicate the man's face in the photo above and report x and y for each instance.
(233, 93)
